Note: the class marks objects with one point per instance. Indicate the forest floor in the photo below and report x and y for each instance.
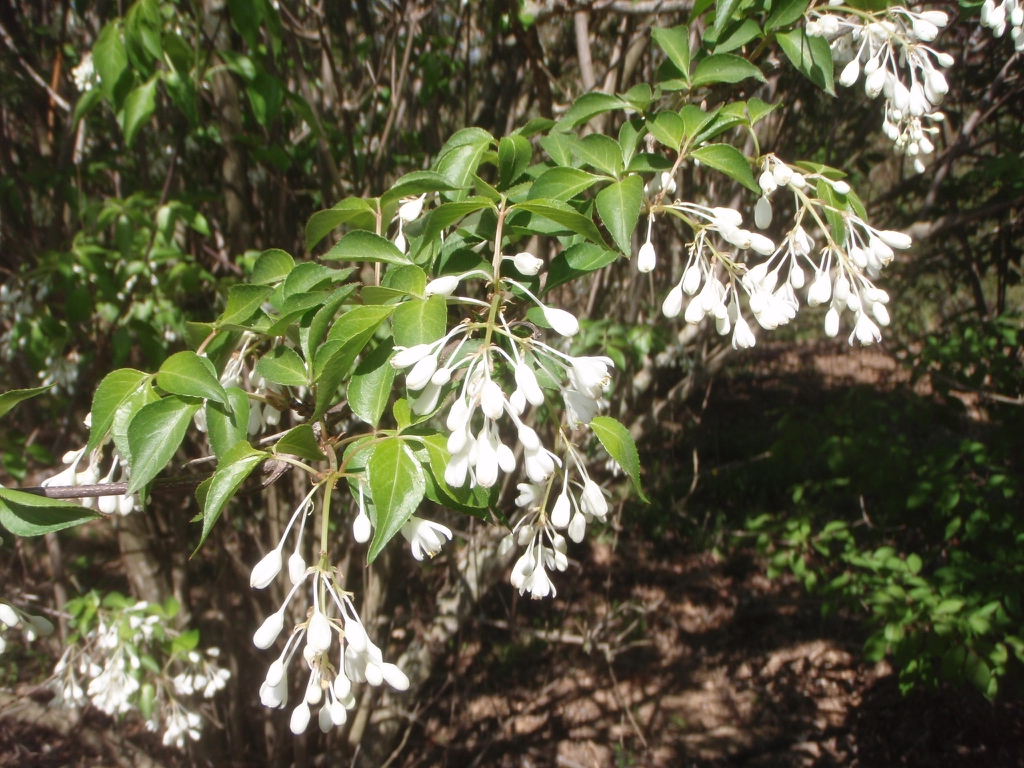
(658, 651)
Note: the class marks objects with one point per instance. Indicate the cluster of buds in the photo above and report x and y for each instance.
(881, 50)
(997, 17)
(92, 475)
(31, 625)
(358, 659)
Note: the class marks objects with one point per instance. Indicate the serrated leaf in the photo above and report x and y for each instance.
(724, 68)
(743, 34)
(728, 160)
(361, 245)
(397, 488)
(243, 302)
(675, 42)
(620, 446)
(723, 14)
(353, 210)
(514, 155)
(420, 321)
(124, 414)
(460, 165)
(619, 207)
(301, 442)
(601, 152)
(587, 106)
(577, 260)
(282, 365)
(154, 435)
(344, 343)
(811, 56)
(111, 62)
(370, 387)
(447, 214)
(419, 182)
(668, 128)
(138, 108)
(564, 215)
(227, 426)
(758, 109)
(272, 266)
(408, 281)
(25, 514)
(11, 398)
(186, 373)
(562, 183)
(232, 470)
(785, 12)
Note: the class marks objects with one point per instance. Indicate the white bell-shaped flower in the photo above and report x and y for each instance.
(425, 537)
(266, 570)
(527, 263)
(269, 630)
(646, 259)
(564, 323)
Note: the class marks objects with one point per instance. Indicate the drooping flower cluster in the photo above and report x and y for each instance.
(714, 277)
(91, 475)
(31, 625)
(578, 503)
(1007, 13)
(112, 661)
(357, 658)
(84, 74)
(882, 49)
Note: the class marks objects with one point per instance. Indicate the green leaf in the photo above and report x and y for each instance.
(186, 373)
(442, 217)
(620, 446)
(360, 245)
(577, 260)
(266, 94)
(352, 210)
(272, 266)
(619, 207)
(695, 120)
(675, 42)
(344, 343)
(472, 501)
(397, 488)
(243, 303)
(784, 13)
(325, 316)
(10, 399)
(409, 280)
(514, 155)
(601, 152)
(420, 321)
(111, 62)
(758, 109)
(811, 56)
(648, 162)
(182, 91)
(154, 435)
(124, 414)
(355, 322)
(85, 104)
(300, 442)
(138, 108)
(460, 165)
(25, 514)
(724, 68)
(232, 469)
(370, 387)
(668, 128)
(559, 147)
(562, 183)
(724, 10)
(743, 34)
(834, 205)
(728, 160)
(282, 365)
(420, 182)
(587, 106)
(227, 426)
(565, 215)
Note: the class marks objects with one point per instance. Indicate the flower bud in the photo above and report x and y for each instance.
(268, 632)
(691, 280)
(763, 213)
(266, 570)
(895, 239)
(841, 187)
(300, 719)
(411, 209)
(820, 290)
(561, 321)
(318, 634)
(561, 512)
(395, 677)
(526, 380)
(442, 286)
(492, 400)
(646, 259)
(275, 673)
(796, 276)
(767, 182)
(373, 674)
(361, 528)
(527, 263)
(410, 355)
(881, 314)
(832, 323)
(842, 288)
(875, 82)
(673, 303)
(850, 74)
(8, 616)
(421, 373)
(324, 719)
(783, 174)
(355, 635)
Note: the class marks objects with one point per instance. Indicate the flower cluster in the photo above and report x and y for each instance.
(357, 658)
(842, 272)
(997, 17)
(886, 47)
(85, 75)
(31, 625)
(92, 475)
(112, 666)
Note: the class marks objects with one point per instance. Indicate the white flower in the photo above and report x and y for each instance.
(269, 630)
(410, 210)
(673, 303)
(266, 570)
(742, 336)
(527, 263)
(361, 528)
(646, 259)
(564, 323)
(425, 537)
(443, 286)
